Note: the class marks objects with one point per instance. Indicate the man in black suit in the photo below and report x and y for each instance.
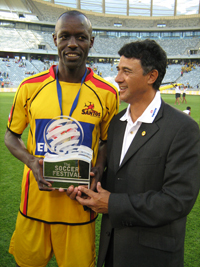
(153, 168)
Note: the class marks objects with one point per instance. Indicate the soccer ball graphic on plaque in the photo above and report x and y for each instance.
(69, 161)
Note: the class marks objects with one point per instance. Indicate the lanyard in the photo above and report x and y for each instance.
(59, 91)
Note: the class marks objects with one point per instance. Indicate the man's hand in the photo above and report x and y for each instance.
(16, 146)
(97, 171)
(95, 174)
(36, 165)
(98, 202)
(71, 192)
(95, 177)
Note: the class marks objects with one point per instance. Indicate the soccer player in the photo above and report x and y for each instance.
(50, 221)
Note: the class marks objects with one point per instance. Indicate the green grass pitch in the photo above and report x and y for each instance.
(11, 175)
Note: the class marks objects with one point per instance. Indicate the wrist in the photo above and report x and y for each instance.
(30, 160)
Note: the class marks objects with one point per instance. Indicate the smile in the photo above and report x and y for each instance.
(122, 88)
(72, 55)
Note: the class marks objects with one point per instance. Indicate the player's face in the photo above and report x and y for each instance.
(73, 40)
(133, 84)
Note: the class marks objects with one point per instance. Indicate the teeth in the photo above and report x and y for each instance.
(71, 55)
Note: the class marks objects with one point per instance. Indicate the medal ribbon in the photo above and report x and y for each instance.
(59, 91)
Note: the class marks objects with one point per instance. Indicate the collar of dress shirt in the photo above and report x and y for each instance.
(148, 115)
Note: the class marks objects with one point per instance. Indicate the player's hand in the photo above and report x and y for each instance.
(97, 201)
(95, 177)
(36, 166)
(71, 192)
(97, 171)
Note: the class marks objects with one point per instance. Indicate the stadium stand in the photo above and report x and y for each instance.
(26, 39)
(26, 33)
(191, 78)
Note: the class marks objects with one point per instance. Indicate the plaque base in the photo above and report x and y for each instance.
(60, 184)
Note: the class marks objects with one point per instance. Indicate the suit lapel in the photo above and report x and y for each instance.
(118, 141)
(145, 132)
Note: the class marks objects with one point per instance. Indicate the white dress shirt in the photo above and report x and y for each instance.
(147, 116)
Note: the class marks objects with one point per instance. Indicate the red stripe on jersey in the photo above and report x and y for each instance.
(10, 115)
(26, 193)
(92, 215)
(100, 84)
(41, 78)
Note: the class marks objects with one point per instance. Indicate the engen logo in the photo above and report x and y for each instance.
(89, 110)
(41, 147)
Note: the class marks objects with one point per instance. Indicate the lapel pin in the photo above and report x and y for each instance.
(143, 133)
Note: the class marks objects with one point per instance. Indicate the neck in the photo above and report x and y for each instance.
(138, 107)
(71, 75)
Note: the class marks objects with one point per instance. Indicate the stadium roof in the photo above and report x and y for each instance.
(135, 7)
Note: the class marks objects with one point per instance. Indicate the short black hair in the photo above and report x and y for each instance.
(151, 56)
(76, 13)
(188, 108)
(72, 13)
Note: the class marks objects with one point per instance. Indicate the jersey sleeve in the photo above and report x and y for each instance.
(112, 108)
(18, 117)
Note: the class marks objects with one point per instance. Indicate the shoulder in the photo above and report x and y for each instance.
(174, 117)
(98, 83)
(116, 119)
(39, 77)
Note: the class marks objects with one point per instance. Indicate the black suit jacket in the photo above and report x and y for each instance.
(152, 191)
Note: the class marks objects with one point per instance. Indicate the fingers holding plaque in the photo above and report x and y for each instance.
(67, 162)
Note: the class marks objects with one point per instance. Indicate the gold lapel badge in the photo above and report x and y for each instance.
(143, 133)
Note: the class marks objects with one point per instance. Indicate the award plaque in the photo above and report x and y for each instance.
(68, 162)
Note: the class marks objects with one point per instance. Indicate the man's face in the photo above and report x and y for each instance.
(73, 40)
(132, 83)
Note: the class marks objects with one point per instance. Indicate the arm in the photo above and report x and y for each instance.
(16, 146)
(97, 171)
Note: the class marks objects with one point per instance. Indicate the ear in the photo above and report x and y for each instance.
(91, 42)
(54, 38)
(153, 75)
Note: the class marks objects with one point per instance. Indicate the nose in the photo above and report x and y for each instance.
(119, 78)
(72, 42)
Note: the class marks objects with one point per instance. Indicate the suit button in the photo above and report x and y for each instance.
(108, 233)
